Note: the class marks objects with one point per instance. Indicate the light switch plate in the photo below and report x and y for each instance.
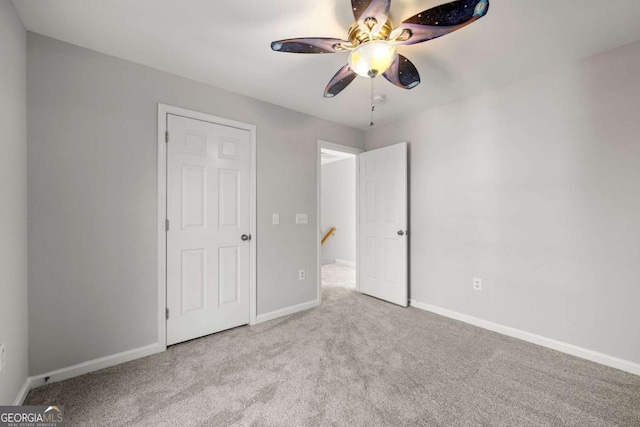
(276, 219)
(302, 218)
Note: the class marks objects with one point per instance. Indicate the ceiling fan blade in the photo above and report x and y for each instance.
(367, 9)
(341, 80)
(402, 73)
(439, 21)
(310, 45)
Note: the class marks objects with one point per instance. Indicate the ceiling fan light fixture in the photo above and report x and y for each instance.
(372, 58)
(372, 40)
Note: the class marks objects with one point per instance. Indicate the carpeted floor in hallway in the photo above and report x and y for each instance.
(339, 275)
(354, 361)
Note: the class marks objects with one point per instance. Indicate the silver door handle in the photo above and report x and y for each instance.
(246, 237)
(401, 233)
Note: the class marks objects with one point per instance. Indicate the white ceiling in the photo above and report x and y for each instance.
(226, 43)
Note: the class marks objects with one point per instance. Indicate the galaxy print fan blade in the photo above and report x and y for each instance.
(371, 15)
(403, 73)
(341, 80)
(310, 45)
(439, 21)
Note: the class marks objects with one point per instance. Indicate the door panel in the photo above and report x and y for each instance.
(193, 280)
(194, 179)
(228, 193)
(228, 262)
(383, 214)
(208, 206)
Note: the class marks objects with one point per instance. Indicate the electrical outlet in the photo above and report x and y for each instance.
(302, 275)
(3, 355)
(276, 219)
(477, 284)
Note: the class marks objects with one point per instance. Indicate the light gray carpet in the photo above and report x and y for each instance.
(339, 275)
(354, 361)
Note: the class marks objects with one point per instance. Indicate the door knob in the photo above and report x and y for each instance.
(246, 237)
(400, 233)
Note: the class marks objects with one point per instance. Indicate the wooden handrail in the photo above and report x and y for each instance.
(328, 234)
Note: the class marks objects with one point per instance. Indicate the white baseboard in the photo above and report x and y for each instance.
(22, 394)
(594, 356)
(85, 367)
(346, 263)
(286, 311)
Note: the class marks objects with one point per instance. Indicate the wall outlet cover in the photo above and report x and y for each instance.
(302, 275)
(276, 219)
(477, 284)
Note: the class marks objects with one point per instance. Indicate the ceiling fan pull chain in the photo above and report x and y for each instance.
(373, 107)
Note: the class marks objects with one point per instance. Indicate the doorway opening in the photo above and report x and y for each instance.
(338, 216)
(381, 219)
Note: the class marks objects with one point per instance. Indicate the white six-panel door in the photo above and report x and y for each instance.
(208, 208)
(383, 224)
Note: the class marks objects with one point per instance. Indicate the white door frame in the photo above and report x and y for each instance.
(163, 110)
(345, 149)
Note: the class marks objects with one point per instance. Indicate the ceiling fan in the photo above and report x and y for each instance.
(372, 40)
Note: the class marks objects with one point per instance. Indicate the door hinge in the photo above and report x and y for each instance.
(166, 225)
(166, 137)
(167, 313)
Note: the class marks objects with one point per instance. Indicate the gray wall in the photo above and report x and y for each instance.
(338, 209)
(92, 123)
(534, 188)
(13, 201)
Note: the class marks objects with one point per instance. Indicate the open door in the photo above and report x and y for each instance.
(383, 224)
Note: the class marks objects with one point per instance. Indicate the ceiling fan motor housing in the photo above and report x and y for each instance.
(359, 35)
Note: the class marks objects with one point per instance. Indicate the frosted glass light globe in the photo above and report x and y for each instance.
(372, 58)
